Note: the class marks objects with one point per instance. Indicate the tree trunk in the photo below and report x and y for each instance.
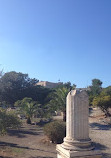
(64, 116)
(28, 120)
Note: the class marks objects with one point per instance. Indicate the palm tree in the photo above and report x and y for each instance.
(29, 108)
(58, 101)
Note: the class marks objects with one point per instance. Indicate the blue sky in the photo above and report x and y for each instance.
(50, 40)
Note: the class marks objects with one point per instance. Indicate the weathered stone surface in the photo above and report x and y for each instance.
(77, 128)
(77, 142)
(64, 153)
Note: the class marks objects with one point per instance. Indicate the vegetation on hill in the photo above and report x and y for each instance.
(100, 97)
(95, 89)
(14, 87)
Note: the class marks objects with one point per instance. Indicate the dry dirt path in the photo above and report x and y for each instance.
(28, 142)
(100, 132)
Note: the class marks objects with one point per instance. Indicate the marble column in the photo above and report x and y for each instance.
(77, 139)
(77, 128)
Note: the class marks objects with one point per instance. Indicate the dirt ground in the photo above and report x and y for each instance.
(29, 140)
(100, 132)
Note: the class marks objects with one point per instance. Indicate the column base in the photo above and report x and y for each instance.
(77, 145)
(64, 153)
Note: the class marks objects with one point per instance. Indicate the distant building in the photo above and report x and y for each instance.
(86, 89)
(49, 84)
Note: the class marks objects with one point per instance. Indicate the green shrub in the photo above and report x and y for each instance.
(55, 131)
(7, 121)
(104, 102)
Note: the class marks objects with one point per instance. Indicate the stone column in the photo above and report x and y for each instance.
(77, 142)
(77, 128)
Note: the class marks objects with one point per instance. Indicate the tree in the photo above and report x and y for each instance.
(8, 121)
(15, 86)
(67, 85)
(58, 101)
(95, 89)
(106, 91)
(1, 72)
(28, 107)
(104, 102)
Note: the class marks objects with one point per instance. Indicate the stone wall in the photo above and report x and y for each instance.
(49, 84)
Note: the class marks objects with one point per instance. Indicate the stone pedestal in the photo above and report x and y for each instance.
(64, 153)
(77, 142)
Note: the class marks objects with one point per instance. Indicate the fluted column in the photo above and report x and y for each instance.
(77, 128)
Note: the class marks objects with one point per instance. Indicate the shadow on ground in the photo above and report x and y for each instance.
(99, 146)
(41, 157)
(99, 126)
(6, 144)
(5, 157)
(90, 111)
(42, 123)
(22, 133)
(106, 155)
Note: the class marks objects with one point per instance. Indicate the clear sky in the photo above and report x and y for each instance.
(50, 40)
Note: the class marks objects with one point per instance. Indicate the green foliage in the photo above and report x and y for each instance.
(91, 97)
(8, 120)
(58, 101)
(104, 102)
(106, 91)
(17, 103)
(96, 87)
(14, 86)
(95, 90)
(28, 107)
(67, 85)
(60, 98)
(55, 131)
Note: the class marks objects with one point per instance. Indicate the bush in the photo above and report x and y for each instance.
(7, 121)
(104, 102)
(55, 131)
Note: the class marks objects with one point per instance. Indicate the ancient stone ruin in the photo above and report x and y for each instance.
(77, 143)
